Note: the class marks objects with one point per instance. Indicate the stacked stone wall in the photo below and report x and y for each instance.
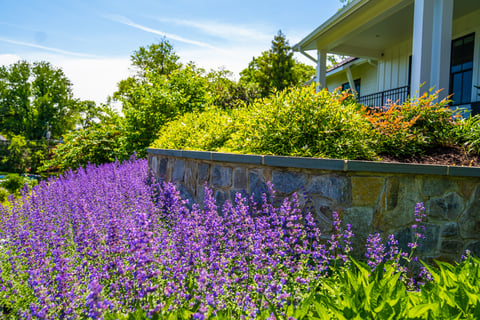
(372, 197)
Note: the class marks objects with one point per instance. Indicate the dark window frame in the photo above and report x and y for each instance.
(356, 82)
(461, 69)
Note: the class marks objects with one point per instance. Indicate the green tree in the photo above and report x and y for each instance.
(276, 69)
(32, 95)
(98, 142)
(161, 90)
(158, 58)
(227, 93)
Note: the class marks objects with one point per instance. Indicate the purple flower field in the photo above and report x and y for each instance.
(109, 240)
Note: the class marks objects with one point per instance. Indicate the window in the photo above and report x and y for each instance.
(346, 86)
(461, 69)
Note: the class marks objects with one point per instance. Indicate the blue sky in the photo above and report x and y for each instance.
(92, 40)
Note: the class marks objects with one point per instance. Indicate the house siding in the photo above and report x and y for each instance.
(393, 67)
(367, 74)
(392, 70)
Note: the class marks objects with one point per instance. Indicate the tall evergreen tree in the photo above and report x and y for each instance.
(276, 69)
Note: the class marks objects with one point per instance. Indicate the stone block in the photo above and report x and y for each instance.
(448, 207)
(324, 207)
(360, 219)
(200, 195)
(240, 178)
(451, 246)
(203, 173)
(220, 198)
(404, 237)
(288, 182)
(429, 245)
(450, 229)
(162, 167)
(474, 248)
(257, 184)
(470, 221)
(178, 170)
(153, 164)
(398, 203)
(467, 187)
(366, 190)
(190, 182)
(185, 194)
(437, 187)
(333, 187)
(221, 177)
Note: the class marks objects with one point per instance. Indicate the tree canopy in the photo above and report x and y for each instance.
(276, 69)
(32, 95)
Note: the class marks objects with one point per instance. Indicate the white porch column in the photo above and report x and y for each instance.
(351, 82)
(321, 69)
(432, 37)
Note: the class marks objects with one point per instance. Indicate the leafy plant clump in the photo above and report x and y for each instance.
(14, 183)
(294, 122)
(414, 126)
(208, 130)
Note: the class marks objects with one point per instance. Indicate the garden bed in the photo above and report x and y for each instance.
(446, 156)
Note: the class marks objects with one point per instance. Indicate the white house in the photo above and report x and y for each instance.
(397, 46)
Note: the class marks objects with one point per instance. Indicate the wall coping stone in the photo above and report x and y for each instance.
(322, 164)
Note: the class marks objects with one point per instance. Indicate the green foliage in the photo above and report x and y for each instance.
(295, 122)
(227, 93)
(22, 155)
(14, 183)
(276, 69)
(161, 91)
(454, 292)
(31, 95)
(96, 144)
(302, 122)
(3, 195)
(357, 292)
(158, 58)
(208, 130)
(468, 133)
(414, 126)
(150, 104)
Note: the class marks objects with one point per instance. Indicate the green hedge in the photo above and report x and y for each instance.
(303, 122)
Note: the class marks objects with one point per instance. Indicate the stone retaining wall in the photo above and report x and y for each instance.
(371, 196)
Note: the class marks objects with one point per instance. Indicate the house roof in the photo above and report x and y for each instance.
(365, 28)
(342, 63)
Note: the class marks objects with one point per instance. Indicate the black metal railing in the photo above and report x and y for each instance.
(380, 99)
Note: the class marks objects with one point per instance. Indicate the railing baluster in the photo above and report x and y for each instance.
(379, 99)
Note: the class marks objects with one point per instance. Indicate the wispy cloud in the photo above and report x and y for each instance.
(223, 30)
(128, 22)
(37, 46)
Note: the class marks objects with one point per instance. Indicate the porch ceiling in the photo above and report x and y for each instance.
(366, 27)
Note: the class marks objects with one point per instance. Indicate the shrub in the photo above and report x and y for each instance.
(13, 182)
(208, 130)
(294, 122)
(412, 127)
(3, 194)
(302, 122)
(468, 133)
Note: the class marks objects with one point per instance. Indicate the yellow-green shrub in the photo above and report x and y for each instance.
(294, 122)
(303, 122)
(207, 130)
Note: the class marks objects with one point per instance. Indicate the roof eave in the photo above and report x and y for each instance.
(337, 18)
